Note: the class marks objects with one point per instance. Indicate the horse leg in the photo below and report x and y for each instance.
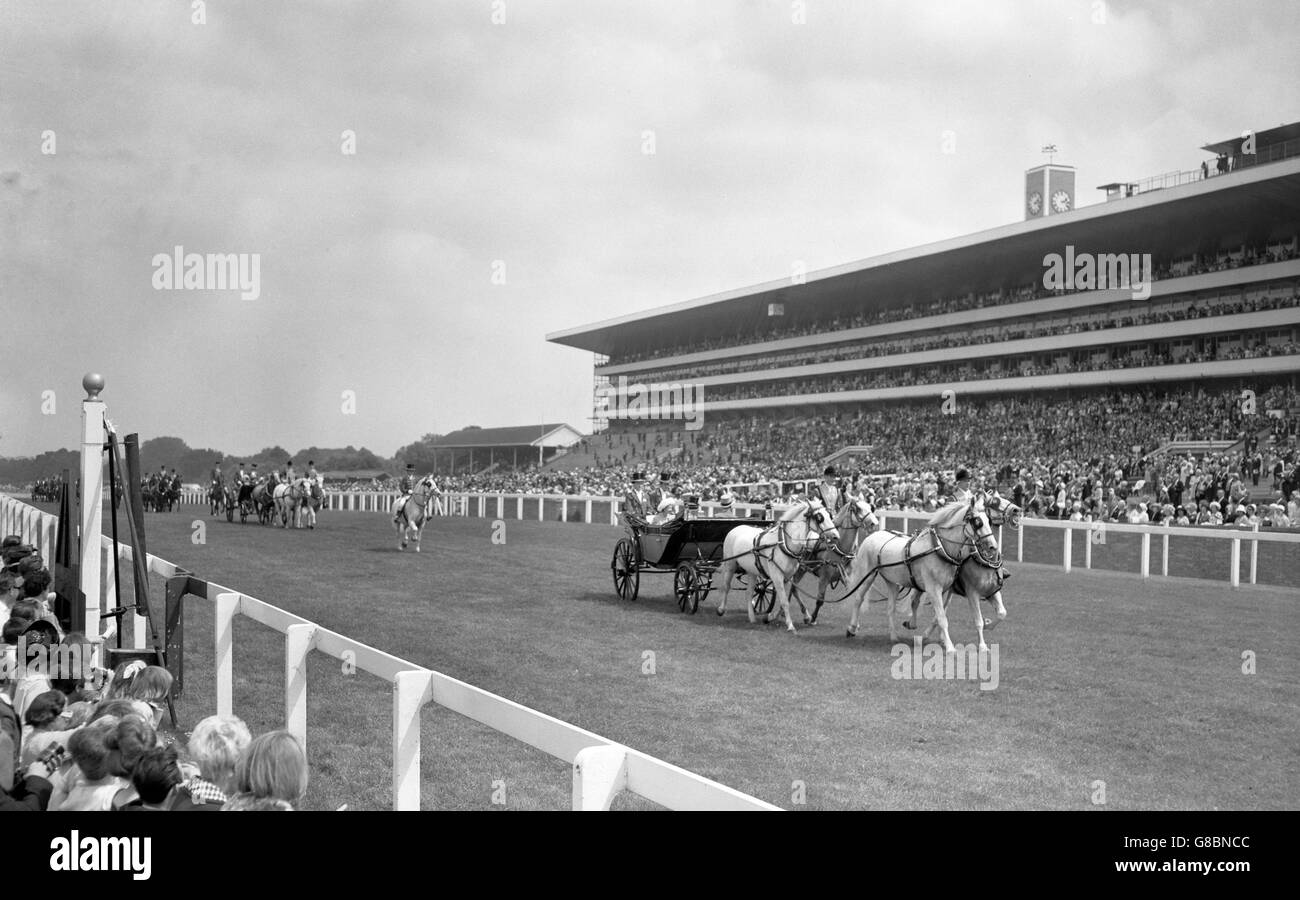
(1002, 610)
(419, 529)
(782, 590)
(856, 604)
(979, 619)
(728, 571)
(940, 614)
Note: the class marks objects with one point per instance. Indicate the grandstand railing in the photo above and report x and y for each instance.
(601, 768)
(561, 506)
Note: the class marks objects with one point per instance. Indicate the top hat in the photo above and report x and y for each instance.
(963, 475)
(638, 476)
(410, 466)
(665, 477)
(830, 470)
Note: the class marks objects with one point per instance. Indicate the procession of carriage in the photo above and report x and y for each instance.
(294, 503)
(955, 553)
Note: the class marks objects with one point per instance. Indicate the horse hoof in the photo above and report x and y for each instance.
(848, 632)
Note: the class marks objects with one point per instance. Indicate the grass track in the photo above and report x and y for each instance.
(1102, 677)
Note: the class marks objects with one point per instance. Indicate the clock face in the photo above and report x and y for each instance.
(1060, 201)
(1035, 202)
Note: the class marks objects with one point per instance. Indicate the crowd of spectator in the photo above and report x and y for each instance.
(770, 330)
(1252, 346)
(1098, 456)
(1118, 318)
(75, 736)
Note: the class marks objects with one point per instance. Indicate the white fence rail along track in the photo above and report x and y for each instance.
(604, 510)
(601, 768)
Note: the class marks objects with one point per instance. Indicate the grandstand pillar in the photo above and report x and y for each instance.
(91, 498)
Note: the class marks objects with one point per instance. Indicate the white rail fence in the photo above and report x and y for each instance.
(601, 768)
(604, 510)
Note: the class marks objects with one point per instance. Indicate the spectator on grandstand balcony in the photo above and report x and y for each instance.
(215, 748)
(273, 769)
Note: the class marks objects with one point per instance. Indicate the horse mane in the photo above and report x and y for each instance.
(796, 510)
(950, 514)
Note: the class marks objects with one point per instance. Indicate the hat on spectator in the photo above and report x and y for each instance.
(12, 540)
(962, 474)
(1214, 504)
(637, 477)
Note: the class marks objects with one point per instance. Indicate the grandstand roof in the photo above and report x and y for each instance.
(1160, 222)
(556, 434)
(1266, 138)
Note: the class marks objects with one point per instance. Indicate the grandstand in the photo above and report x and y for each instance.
(866, 354)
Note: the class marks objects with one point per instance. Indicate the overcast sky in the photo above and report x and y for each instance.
(522, 142)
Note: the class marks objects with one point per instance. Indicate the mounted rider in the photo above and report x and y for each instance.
(405, 487)
(218, 482)
(245, 483)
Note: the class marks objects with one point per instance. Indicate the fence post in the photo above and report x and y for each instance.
(223, 632)
(519, 507)
(1020, 543)
(613, 511)
(564, 508)
(297, 643)
(1146, 554)
(599, 773)
(1069, 548)
(409, 690)
(541, 506)
(1254, 553)
(1235, 578)
(587, 514)
(1087, 551)
(501, 506)
(482, 506)
(1164, 551)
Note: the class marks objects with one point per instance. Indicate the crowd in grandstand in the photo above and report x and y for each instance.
(1097, 457)
(778, 330)
(1121, 318)
(74, 736)
(1252, 346)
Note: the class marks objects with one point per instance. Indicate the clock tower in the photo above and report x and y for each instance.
(1049, 190)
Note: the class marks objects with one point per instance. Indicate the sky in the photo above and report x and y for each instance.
(430, 188)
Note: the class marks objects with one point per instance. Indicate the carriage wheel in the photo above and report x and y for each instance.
(703, 584)
(764, 596)
(627, 577)
(684, 586)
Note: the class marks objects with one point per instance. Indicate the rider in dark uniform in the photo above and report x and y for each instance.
(828, 491)
(404, 488)
(635, 501)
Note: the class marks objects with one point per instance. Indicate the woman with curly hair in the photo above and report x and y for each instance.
(215, 748)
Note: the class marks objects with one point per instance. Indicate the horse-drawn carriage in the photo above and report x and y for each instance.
(688, 547)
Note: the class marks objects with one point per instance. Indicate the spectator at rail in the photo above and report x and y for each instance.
(89, 784)
(35, 658)
(40, 725)
(273, 768)
(133, 737)
(33, 793)
(150, 685)
(215, 748)
(155, 774)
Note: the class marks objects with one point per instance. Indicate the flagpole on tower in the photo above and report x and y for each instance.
(91, 498)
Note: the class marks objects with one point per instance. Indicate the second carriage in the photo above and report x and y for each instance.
(690, 548)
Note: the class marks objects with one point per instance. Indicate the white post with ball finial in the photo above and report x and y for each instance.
(91, 498)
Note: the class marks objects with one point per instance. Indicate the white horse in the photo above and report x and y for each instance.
(977, 579)
(855, 521)
(776, 552)
(414, 512)
(312, 496)
(927, 561)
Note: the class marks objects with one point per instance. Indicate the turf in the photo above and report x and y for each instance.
(1102, 677)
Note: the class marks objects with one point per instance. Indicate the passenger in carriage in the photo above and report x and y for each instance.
(636, 502)
(669, 508)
